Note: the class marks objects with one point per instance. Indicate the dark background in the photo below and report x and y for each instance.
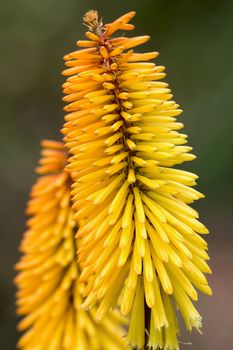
(195, 39)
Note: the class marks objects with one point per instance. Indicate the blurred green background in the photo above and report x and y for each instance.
(195, 40)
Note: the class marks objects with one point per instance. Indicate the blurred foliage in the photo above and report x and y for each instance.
(195, 40)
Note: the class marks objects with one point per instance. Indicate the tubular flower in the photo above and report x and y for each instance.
(139, 239)
(48, 291)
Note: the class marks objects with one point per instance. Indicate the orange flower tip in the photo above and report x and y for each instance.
(65, 72)
(92, 36)
(62, 130)
(66, 84)
(85, 43)
(20, 327)
(120, 23)
(128, 27)
(79, 234)
(67, 57)
(68, 109)
(51, 144)
(131, 14)
(16, 267)
(154, 54)
(127, 17)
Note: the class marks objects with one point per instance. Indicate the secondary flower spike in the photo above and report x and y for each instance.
(48, 292)
(139, 241)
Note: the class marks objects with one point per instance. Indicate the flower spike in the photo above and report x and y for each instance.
(49, 295)
(139, 239)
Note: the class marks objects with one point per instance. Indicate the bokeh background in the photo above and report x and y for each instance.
(195, 39)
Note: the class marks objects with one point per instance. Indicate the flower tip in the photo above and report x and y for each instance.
(64, 72)
(146, 38)
(66, 57)
(131, 14)
(209, 291)
(19, 328)
(204, 229)
(62, 131)
(82, 306)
